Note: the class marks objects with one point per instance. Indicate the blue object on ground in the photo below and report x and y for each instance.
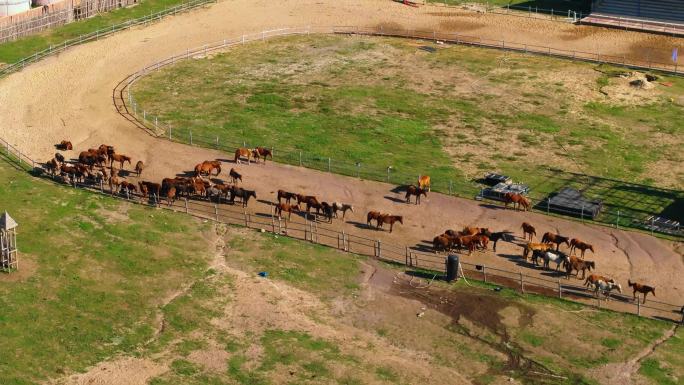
(263, 274)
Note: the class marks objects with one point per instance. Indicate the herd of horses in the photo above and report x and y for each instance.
(105, 166)
(547, 251)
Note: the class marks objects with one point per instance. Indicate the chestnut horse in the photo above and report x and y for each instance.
(288, 208)
(150, 188)
(242, 153)
(372, 215)
(391, 219)
(582, 246)
(414, 190)
(207, 167)
(640, 288)
(528, 229)
(424, 182)
(574, 263)
(557, 239)
(474, 230)
(119, 158)
(262, 153)
(517, 200)
(530, 247)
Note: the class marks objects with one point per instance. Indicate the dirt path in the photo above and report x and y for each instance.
(69, 96)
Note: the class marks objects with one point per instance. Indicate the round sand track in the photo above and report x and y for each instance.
(70, 97)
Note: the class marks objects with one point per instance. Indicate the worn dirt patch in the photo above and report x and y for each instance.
(123, 371)
(27, 267)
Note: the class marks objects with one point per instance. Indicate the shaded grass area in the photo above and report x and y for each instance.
(93, 271)
(351, 106)
(14, 51)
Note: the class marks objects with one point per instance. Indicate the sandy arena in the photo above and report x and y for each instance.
(70, 97)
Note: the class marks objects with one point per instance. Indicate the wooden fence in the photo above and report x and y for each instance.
(53, 15)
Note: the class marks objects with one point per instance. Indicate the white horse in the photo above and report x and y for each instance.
(606, 288)
(337, 206)
(548, 257)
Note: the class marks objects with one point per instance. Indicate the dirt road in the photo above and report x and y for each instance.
(69, 97)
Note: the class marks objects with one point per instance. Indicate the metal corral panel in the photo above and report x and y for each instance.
(12, 7)
(569, 201)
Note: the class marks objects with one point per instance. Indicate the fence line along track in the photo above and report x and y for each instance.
(127, 106)
(311, 230)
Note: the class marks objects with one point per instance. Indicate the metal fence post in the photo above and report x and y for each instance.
(451, 187)
(617, 220)
(522, 283)
(560, 290)
(484, 273)
(379, 249)
(169, 133)
(191, 137)
(300, 159)
(186, 205)
(638, 307)
(216, 211)
(329, 168)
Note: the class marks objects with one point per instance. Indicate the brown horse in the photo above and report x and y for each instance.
(528, 229)
(593, 278)
(59, 157)
(582, 246)
(517, 200)
(288, 208)
(119, 158)
(171, 195)
(262, 153)
(414, 190)
(288, 196)
(65, 145)
(114, 184)
(128, 187)
(640, 288)
(150, 188)
(372, 215)
(390, 219)
(577, 264)
(424, 182)
(106, 151)
(207, 167)
(234, 176)
(139, 167)
(52, 166)
(305, 199)
(242, 153)
(337, 206)
(475, 230)
(556, 239)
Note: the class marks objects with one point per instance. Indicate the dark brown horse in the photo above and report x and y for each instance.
(390, 219)
(557, 239)
(51, 166)
(518, 201)
(528, 229)
(242, 153)
(207, 167)
(286, 207)
(582, 246)
(288, 196)
(337, 206)
(415, 190)
(65, 145)
(150, 188)
(243, 194)
(171, 195)
(306, 199)
(235, 176)
(139, 167)
(262, 153)
(640, 288)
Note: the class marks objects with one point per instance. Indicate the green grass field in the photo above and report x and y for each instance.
(454, 114)
(93, 271)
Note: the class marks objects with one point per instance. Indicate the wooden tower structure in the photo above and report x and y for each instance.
(8, 243)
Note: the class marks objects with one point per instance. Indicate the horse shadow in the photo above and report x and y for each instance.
(399, 189)
(361, 225)
(266, 202)
(186, 174)
(492, 206)
(553, 273)
(216, 180)
(422, 248)
(394, 199)
(517, 259)
(125, 173)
